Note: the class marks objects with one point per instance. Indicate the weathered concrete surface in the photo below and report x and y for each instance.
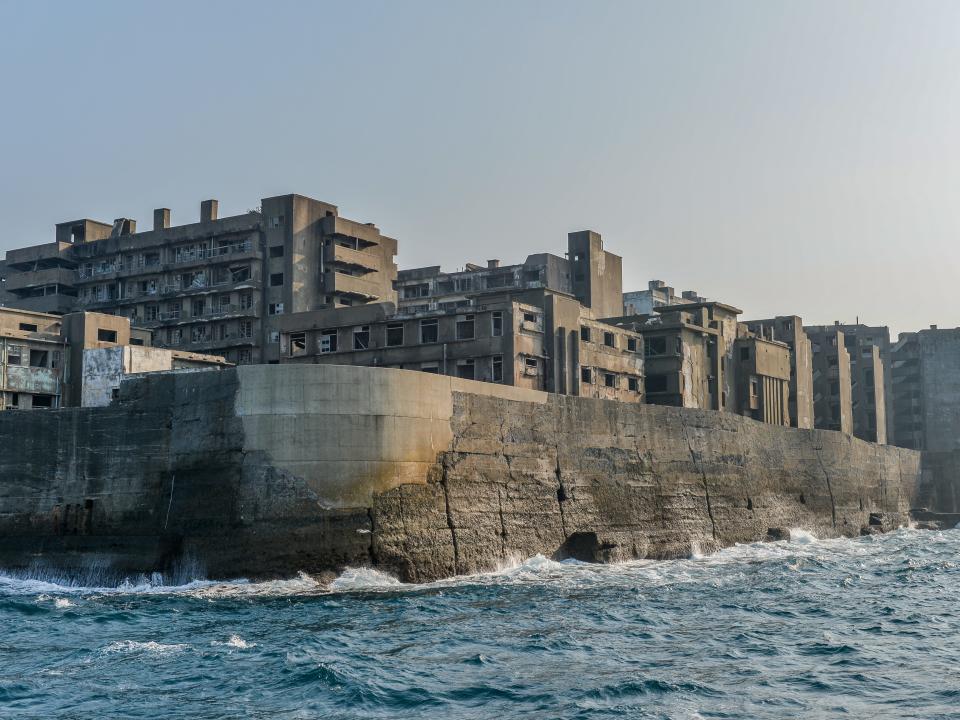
(607, 481)
(266, 470)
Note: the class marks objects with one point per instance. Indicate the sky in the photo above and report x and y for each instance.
(784, 157)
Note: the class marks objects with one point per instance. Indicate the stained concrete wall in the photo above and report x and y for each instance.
(266, 470)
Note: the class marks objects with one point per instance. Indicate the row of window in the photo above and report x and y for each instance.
(242, 330)
(590, 376)
(609, 338)
(153, 258)
(19, 355)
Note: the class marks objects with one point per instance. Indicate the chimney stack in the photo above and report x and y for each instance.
(161, 218)
(491, 264)
(208, 210)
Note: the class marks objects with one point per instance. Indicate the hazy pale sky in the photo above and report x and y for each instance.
(785, 157)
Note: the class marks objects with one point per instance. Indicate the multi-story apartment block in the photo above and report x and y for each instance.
(589, 273)
(217, 285)
(33, 358)
(498, 339)
(789, 329)
(657, 295)
(926, 390)
(832, 388)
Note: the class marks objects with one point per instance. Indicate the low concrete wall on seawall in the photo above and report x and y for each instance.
(266, 470)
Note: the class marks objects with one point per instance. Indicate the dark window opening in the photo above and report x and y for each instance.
(38, 358)
(744, 353)
(42, 401)
(655, 346)
(276, 251)
(106, 335)
(276, 280)
(610, 380)
(632, 344)
(429, 331)
(586, 375)
(29, 327)
(633, 384)
(584, 333)
(298, 342)
(498, 368)
(328, 341)
(466, 370)
(609, 339)
(136, 341)
(497, 324)
(465, 328)
(361, 338)
(394, 334)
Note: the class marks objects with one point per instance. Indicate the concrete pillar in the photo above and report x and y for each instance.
(161, 218)
(208, 210)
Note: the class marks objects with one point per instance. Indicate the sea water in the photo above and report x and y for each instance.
(868, 627)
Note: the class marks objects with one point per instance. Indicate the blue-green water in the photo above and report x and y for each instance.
(836, 628)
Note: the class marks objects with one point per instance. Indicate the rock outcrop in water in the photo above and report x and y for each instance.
(267, 470)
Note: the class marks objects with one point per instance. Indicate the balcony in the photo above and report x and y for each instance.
(21, 378)
(37, 256)
(338, 255)
(336, 282)
(335, 225)
(34, 278)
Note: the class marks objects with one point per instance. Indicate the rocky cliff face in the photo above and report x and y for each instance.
(605, 482)
(178, 469)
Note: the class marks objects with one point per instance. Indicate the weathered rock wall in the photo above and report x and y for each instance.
(608, 481)
(267, 470)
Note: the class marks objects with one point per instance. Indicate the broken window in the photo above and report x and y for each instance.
(496, 324)
(586, 375)
(530, 318)
(298, 343)
(150, 312)
(361, 337)
(240, 273)
(497, 368)
(531, 366)
(655, 346)
(276, 280)
(151, 258)
(745, 353)
(276, 221)
(415, 291)
(28, 327)
(275, 309)
(394, 334)
(276, 251)
(429, 331)
(633, 384)
(754, 387)
(246, 301)
(463, 284)
(43, 401)
(104, 335)
(632, 344)
(243, 357)
(465, 328)
(500, 280)
(610, 380)
(609, 339)
(38, 358)
(246, 329)
(328, 341)
(466, 369)
(196, 307)
(584, 333)
(56, 361)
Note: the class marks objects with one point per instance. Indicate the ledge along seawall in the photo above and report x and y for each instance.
(263, 471)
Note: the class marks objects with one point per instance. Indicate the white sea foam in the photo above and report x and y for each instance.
(364, 578)
(802, 537)
(151, 647)
(237, 642)
(62, 603)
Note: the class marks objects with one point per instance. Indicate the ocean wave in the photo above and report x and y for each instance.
(150, 647)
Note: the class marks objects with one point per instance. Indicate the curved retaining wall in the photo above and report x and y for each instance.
(266, 470)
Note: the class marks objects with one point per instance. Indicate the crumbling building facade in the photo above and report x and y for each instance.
(213, 286)
(832, 389)
(788, 329)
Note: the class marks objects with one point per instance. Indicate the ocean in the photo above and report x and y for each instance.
(806, 628)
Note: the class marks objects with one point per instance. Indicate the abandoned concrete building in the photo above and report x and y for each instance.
(697, 355)
(657, 295)
(213, 286)
(867, 408)
(48, 361)
(832, 389)
(553, 344)
(588, 273)
(926, 390)
(789, 329)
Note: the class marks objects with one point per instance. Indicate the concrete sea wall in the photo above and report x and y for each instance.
(267, 470)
